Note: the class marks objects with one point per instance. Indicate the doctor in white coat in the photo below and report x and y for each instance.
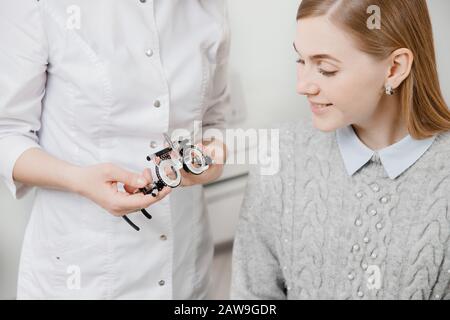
(86, 90)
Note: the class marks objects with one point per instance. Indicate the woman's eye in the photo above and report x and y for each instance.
(327, 73)
(301, 61)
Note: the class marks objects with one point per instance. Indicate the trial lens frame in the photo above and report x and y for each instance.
(177, 156)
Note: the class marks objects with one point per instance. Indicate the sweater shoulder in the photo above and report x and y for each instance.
(442, 143)
(302, 146)
(301, 137)
(438, 155)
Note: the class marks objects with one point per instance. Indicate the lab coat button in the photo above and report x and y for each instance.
(149, 53)
(157, 104)
(163, 237)
(162, 282)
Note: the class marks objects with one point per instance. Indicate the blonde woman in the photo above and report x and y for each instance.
(360, 207)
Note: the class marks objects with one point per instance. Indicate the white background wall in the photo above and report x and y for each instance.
(263, 61)
(263, 82)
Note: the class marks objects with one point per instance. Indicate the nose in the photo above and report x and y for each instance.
(305, 86)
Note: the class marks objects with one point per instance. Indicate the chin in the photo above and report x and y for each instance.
(326, 125)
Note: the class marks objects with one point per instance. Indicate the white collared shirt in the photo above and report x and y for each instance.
(395, 159)
(100, 81)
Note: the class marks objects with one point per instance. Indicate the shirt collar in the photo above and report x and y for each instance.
(395, 159)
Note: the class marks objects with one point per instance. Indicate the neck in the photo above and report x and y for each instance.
(385, 128)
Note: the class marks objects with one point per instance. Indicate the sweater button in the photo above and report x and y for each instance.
(384, 200)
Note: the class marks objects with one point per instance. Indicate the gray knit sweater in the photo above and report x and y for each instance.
(314, 232)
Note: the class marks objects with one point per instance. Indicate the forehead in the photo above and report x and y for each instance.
(319, 35)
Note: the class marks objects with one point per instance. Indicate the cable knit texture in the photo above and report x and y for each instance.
(314, 232)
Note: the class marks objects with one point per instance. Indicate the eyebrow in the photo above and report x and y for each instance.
(319, 56)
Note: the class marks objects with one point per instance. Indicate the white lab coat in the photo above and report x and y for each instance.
(80, 79)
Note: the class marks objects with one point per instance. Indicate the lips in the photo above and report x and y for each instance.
(321, 105)
(320, 108)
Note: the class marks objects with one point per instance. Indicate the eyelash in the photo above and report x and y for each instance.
(322, 72)
(326, 73)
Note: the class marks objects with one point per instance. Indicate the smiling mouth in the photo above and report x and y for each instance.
(321, 106)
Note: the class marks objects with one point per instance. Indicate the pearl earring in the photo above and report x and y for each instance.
(389, 90)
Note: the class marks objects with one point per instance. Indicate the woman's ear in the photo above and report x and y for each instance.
(401, 62)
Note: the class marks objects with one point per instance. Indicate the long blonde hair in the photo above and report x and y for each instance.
(404, 24)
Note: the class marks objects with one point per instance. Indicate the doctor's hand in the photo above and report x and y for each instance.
(99, 184)
(216, 150)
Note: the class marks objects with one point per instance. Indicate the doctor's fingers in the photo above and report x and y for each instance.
(130, 179)
(124, 204)
(148, 178)
(147, 174)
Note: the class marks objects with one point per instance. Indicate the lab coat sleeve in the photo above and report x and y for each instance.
(218, 101)
(216, 110)
(23, 64)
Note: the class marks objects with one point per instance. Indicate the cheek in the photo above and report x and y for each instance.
(355, 99)
(356, 95)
